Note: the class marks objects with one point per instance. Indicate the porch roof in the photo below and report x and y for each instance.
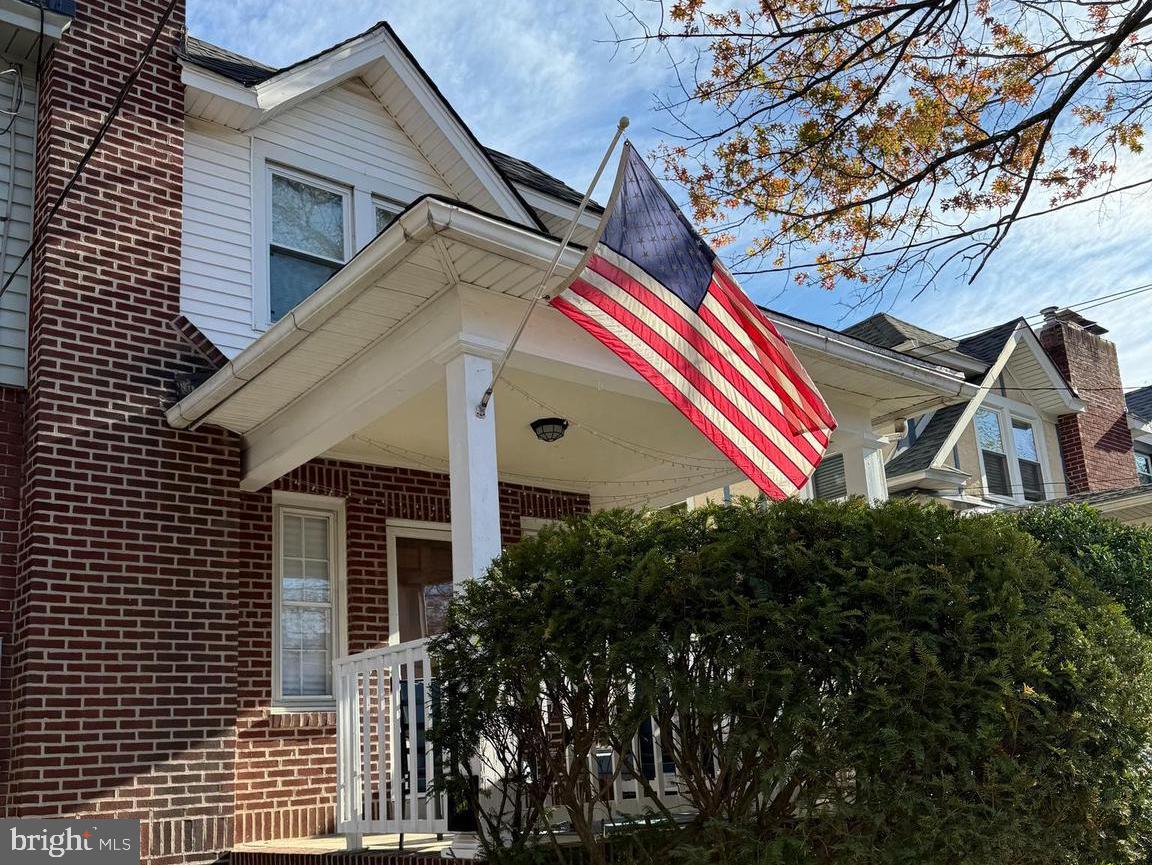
(356, 371)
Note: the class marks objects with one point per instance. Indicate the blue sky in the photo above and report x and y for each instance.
(541, 79)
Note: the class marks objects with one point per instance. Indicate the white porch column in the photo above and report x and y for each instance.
(864, 464)
(475, 495)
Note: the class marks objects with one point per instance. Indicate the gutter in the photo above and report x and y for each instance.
(835, 344)
(424, 219)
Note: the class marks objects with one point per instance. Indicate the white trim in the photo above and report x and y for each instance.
(1005, 417)
(334, 509)
(395, 528)
(27, 17)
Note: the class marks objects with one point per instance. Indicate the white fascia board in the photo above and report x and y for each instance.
(27, 17)
(834, 344)
(974, 404)
(1140, 428)
(1060, 387)
(424, 220)
(941, 478)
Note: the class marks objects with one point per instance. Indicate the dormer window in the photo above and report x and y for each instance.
(308, 240)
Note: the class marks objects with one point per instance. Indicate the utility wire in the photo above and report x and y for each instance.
(98, 138)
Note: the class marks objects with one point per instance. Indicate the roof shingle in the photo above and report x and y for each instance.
(1140, 402)
(919, 456)
(887, 331)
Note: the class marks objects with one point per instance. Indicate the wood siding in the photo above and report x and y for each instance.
(14, 302)
(344, 135)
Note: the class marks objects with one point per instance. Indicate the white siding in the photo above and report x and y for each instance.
(344, 134)
(18, 197)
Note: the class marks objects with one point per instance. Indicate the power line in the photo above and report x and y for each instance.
(98, 138)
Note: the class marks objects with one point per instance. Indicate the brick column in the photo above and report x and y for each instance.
(126, 605)
(1096, 444)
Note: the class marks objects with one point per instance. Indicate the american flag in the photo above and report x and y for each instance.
(653, 291)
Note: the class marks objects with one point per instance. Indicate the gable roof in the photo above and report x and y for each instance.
(1139, 402)
(887, 331)
(922, 453)
(244, 93)
(987, 345)
(250, 73)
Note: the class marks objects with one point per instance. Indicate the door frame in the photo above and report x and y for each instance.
(427, 531)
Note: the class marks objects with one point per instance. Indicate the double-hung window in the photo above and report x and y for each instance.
(308, 237)
(1144, 468)
(1028, 461)
(308, 602)
(1012, 466)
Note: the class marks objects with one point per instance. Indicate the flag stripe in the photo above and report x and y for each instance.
(779, 452)
(696, 354)
(784, 356)
(708, 338)
(772, 371)
(633, 353)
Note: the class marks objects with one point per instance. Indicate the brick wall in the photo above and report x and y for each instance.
(286, 763)
(1096, 444)
(125, 613)
(11, 464)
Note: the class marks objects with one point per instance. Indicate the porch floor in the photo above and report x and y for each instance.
(423, 846)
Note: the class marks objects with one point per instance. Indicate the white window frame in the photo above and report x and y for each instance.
(334, 509)
(264, 252)
(365, 193)
(1006, 413)
(406, 529)
(1136, 457)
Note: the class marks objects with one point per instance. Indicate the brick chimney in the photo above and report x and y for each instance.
(1095, 444)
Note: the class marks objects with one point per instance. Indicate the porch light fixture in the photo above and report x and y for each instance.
(549, 429)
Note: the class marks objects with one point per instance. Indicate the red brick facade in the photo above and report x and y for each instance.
(1096, 444)
(286, 763)
(135, 580)
(11, 468)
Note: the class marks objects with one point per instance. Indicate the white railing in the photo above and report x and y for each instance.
(385, 765)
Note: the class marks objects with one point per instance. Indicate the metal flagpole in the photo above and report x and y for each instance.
(482, 408)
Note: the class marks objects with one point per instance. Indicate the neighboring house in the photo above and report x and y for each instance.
(246, 466)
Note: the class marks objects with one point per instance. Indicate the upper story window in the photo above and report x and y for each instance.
(385, 211)
(1012, 465)
(308, 238)
(1144, 468)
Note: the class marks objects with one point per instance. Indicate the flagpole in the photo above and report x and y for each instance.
(482, 408)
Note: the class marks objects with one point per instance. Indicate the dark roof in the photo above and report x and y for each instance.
(248, 72)
(887, 331)
(987, 345)
(1140, 402)
(527, 174)
(238, 68)
(922, 451)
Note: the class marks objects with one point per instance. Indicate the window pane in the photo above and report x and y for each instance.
(988, 434)
(1144, 468)
(996, 471)
(1032, 479)
(292, 527)
(291, 278)
(316, 537)
(1025, 440)
(384, 215)
(306, 613)
(305, 628)
(307, 218)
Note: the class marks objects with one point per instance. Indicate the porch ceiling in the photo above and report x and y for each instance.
(617, 449)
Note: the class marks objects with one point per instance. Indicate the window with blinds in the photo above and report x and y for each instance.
(993, 456)
(828, 481)
(1028, 460)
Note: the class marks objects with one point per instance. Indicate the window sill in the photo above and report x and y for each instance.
(301, 717)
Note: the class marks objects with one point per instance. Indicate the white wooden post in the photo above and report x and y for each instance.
(863, 464)
(475, 494)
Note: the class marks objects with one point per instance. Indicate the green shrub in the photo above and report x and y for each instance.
(849, 684)
(1116, 557)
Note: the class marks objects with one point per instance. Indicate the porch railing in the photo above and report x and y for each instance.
(384, 763)
(386, 703)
